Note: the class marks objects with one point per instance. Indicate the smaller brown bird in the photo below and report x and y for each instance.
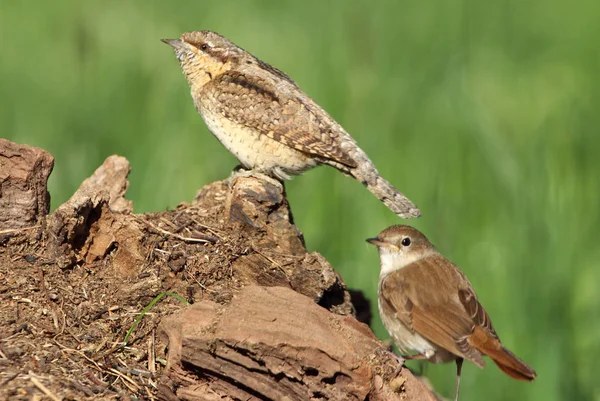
(428, 306)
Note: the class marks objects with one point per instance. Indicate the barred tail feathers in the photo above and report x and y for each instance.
(384, 191)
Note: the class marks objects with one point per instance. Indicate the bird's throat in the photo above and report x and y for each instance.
(392, 260)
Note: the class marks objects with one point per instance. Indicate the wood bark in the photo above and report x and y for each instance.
(267, 320)
(24, 171)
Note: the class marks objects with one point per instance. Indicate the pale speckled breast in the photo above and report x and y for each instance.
(256, 151)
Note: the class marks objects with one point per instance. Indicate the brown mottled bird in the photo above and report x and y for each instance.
(261, 116)
(428, 306)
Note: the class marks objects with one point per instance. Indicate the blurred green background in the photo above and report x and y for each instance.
(483, 113)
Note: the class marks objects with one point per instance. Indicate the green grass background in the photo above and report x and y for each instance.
(483, 113)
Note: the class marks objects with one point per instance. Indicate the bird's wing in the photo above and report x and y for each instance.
(485, 340)
(427, 297)
(394, 298)
(256, 103)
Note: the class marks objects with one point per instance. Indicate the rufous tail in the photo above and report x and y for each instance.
(509, 363)
(513, 366)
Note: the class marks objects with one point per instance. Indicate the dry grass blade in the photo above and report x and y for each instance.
(43, 388)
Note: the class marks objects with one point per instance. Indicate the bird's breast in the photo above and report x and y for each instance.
(412, 342)
(405, 339)
(255, 150)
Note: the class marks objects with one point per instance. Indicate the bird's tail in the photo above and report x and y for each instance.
(508, 362)
(513, 366)
(385, 192)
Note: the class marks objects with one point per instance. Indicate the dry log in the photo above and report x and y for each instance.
(24, 171)
(272, 343)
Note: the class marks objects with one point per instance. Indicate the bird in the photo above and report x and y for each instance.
(267, 122)
(430, 309)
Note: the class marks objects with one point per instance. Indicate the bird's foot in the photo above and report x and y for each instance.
(239, 167)
(240, 171)
(403, 358)
(388, 348)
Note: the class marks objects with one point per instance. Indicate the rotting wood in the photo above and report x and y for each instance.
(24, 171)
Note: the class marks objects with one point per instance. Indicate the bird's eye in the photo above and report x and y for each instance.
(406, 241)
(203, 46)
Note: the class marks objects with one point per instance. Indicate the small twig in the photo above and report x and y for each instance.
(84, 389)
(122, 362)
(101, 345)
(97, 382)
(74, 351)
(9, 379)
(214, 231)
(270, 260)
(16, 230)
(124, 378)
(40, 273)
(203, 286)
(43, 388)
(170, 223)
(135, 372)
(151, 353)
(204, 239)
(163, 252)
(150, 396)
(126, 384)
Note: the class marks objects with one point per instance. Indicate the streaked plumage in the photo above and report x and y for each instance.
(261, 116)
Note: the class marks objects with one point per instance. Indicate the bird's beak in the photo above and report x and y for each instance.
(376, 241)
(381, 244)
(174, 43)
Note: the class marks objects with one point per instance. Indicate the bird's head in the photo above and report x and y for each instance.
(204, 55)
(400, 246)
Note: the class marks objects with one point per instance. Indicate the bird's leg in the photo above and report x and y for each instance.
(388, 347)
(459, 362)
(241, 171)
(238, 168)
(417, 356)
(402, 358)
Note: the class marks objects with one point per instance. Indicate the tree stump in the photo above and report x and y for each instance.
(263, 319)
(24, 171)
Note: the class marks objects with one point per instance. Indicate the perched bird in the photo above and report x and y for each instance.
(261, 116)
(428, 306)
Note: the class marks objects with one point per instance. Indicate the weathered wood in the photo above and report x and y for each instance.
(24, 172)
(268, 320)
(97, 219)
(273, 343)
